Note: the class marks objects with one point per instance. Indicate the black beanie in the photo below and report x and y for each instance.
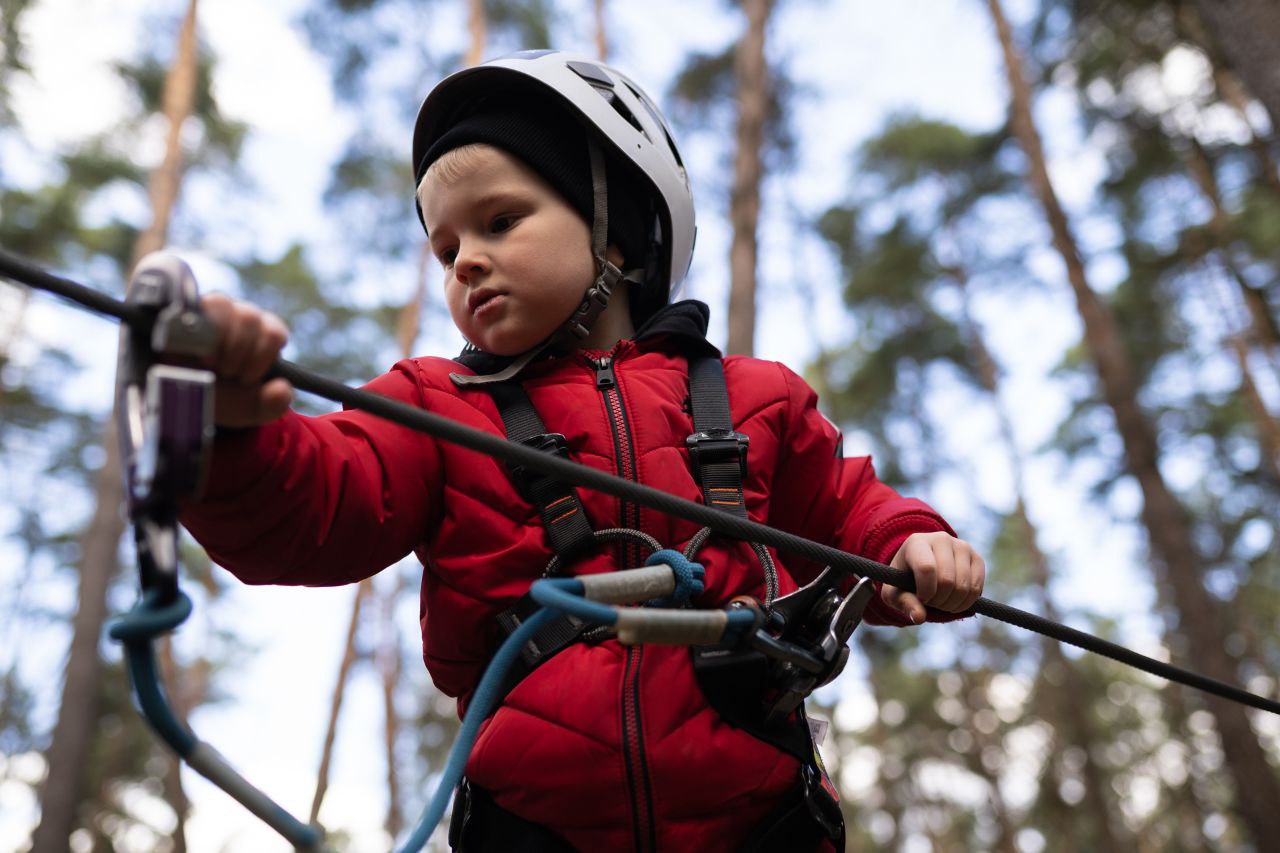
(554, 145)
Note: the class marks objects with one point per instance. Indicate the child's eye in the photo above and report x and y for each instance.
(447, 257)
(501, 223)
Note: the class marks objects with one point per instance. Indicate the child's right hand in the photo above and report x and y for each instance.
(249, 342)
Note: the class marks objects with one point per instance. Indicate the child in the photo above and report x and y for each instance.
(599, 746)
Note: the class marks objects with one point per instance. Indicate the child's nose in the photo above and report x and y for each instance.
(470, 263)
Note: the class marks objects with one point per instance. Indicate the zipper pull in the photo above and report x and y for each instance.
(604, 373)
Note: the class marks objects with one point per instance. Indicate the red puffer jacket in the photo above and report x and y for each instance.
(613, 747)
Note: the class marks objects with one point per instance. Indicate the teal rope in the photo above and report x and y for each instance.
(690, 577)
(556, 595)
(486, 696)
(137, 630)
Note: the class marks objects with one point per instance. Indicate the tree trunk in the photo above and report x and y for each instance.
(1265, 331)
(178, 101)
(1233, 93)
(410, 316)
(14, 330)
(1006, 826)
(335, 702)
(602, 41)
(1072, 728)
(1268, 427)
(389, 667)
(406, 336)
(1191, 27)
(1248, 32)
(476, 26)
(1168, 527)
(99, 558)
(187, 688)
(68, 751)
(751, 75)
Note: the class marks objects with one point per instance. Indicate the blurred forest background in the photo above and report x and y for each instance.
(1048, 304)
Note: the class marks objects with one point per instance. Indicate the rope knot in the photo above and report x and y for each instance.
(690, 577)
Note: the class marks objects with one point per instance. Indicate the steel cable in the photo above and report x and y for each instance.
(576, 474)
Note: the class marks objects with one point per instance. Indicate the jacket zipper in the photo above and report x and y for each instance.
(624, 453)
(636, 763)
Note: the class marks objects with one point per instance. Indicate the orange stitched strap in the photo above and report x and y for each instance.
(560, 501)
(735, 491)
(727, 503)
(566, 515)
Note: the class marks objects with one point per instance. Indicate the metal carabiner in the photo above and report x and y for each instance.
(164, 407)
(807, 638)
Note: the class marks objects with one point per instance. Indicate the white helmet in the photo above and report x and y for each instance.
(626, 119)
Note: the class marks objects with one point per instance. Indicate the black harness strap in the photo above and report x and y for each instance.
(718, 453)
(736, 681)
(563, 517)
(562, 514)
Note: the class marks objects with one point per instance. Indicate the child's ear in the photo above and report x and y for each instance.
(614, 256)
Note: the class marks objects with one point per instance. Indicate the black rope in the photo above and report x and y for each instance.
(576, 474)
(25, 272)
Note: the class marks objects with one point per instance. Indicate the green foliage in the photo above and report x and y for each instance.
(913, 149)
(521, 24)
(12, 60)
(919, 180)
(703, 100)
(1257, 224)
(329, 334)
(371, 191)
(17, 706)
(356, 35)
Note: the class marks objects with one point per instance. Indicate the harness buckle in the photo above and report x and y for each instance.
(714, 446)
(546, 442)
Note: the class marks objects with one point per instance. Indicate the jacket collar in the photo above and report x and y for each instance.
(682, 324)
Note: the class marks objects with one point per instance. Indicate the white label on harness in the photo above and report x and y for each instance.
(818, 729)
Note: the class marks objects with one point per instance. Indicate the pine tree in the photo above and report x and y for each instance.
(1166, 520)
(752, 90)
(72, 734)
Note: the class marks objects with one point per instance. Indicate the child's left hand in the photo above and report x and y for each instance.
(949, 575)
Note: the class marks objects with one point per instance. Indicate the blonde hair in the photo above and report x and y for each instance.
(453, 164)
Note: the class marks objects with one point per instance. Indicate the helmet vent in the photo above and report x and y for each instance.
(603, 84)
(672, 145)
(593, 74)
(621, 109)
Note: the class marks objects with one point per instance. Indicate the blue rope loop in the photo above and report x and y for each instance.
(149, 618)
(690, 578)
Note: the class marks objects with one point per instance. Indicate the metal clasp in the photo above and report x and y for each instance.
(716, 446)
(547, 442)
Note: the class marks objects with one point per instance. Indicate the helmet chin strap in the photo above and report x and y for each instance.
(578, 327)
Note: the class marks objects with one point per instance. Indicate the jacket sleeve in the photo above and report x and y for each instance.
(822, 496)
(320, 501)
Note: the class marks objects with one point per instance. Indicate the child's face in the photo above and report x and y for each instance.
(516, 256)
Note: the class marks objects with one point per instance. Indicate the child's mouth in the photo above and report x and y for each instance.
(487, 302)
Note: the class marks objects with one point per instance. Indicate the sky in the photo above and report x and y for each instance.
(858, 61)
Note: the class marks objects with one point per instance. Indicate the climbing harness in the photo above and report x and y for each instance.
(166, 410)
(799, 641)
